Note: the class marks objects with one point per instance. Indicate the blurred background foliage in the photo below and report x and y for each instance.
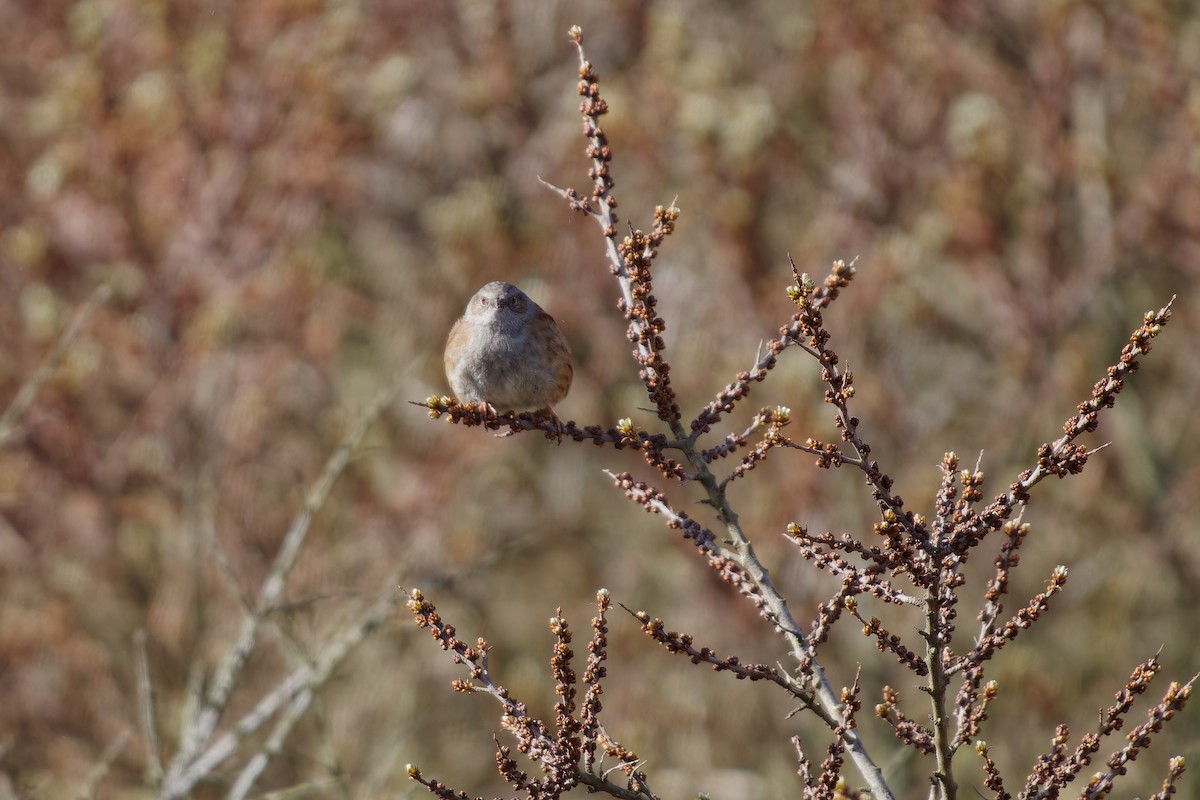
(293, 199)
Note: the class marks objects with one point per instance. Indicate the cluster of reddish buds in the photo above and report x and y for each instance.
(567, 755)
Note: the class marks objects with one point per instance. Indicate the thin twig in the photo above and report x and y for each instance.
(92, 784)
(28, 391)
(145, 695)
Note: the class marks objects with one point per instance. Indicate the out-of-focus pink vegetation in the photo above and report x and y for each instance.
(292, 200)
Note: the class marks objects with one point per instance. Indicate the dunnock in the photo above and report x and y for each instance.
(507, 352)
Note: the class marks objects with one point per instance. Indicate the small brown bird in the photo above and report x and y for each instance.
(507, 352)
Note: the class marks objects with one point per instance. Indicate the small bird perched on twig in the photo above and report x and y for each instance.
(508, 353)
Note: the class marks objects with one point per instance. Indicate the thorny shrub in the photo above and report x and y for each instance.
(907, 559)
